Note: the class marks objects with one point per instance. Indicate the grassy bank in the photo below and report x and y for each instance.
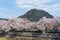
(23, 38)
(3, 38)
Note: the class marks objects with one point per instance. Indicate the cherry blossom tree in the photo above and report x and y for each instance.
(21, 24)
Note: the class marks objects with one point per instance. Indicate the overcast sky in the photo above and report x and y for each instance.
(15, 8)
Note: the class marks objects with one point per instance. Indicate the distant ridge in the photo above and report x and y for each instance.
(4, 19)
(35, 15)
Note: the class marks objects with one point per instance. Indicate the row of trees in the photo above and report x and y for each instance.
(21, 24)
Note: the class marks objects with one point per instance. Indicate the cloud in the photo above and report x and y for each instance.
(31, 3)
(52, 6)
(34, 4)
(54, 9)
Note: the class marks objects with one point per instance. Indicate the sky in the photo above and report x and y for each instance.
(15, 8)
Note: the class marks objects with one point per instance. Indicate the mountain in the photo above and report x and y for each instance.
(35, 15)
(4, 19)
